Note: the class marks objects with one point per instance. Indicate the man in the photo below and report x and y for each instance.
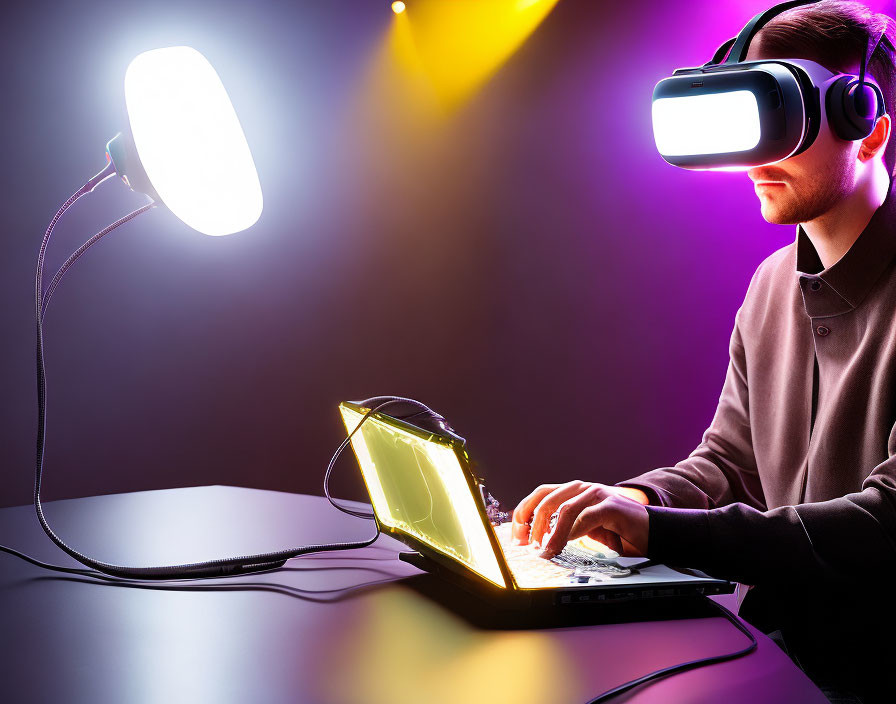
(793, 487)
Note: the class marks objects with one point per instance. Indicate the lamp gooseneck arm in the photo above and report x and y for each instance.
(54, 283)
(212, 568)
(106, 173)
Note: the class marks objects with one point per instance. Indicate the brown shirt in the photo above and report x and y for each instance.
(794, 482)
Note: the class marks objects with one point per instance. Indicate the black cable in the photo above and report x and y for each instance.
(390, 400)
(47, 565)
(690, 665)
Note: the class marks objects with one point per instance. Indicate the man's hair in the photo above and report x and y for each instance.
(836, 35)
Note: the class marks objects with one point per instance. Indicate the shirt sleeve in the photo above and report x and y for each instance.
(722, 469)
(841, 540)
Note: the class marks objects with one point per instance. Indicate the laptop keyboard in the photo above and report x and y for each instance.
(585, 562)
(575, 564)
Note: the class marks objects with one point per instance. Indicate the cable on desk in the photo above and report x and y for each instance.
(689, 665)
(47, 565)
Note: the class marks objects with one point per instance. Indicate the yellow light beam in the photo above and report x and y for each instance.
(459, 44)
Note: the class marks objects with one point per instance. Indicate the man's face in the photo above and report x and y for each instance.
(803, 187)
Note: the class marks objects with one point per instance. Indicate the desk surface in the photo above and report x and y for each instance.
(330, 628)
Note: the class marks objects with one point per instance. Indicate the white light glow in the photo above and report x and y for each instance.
(716, 123)
(190, 141)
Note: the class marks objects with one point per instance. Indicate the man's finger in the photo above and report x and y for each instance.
(549, 504)
(608, 538)
(590, 520)
(625, 518)
(522, 514)
(567, 513)
(519, 532)
(614, 542)
(626, 549)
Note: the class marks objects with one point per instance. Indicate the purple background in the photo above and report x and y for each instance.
(537, 273)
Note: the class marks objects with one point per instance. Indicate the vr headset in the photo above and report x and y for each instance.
(735, 115)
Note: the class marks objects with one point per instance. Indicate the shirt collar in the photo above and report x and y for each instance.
(846, 282)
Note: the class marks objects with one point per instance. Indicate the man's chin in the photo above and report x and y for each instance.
(778, 216)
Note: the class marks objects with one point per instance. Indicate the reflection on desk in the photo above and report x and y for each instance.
(330, 628)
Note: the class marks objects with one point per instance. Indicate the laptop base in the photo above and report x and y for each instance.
(488, 613)
(634, 599)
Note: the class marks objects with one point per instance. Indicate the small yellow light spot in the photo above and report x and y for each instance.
(398, 7)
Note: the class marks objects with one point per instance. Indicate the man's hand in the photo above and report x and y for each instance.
(612, 515)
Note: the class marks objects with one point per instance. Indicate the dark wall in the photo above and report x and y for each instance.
(527, 265)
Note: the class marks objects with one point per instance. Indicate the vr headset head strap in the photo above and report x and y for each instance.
(861, 95)
(720, 53)
(742, 41)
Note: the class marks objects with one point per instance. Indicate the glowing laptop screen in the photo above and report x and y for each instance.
(418, 486)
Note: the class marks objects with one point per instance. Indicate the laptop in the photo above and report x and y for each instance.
(424, 493)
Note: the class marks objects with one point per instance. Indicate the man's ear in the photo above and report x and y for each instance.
(875, 143)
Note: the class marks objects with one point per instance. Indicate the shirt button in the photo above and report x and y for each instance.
(815, 285)
(822, 330)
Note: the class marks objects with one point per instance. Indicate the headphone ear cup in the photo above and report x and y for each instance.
(864, 100)
(852, 111)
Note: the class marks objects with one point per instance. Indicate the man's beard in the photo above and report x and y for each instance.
(805, 206)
